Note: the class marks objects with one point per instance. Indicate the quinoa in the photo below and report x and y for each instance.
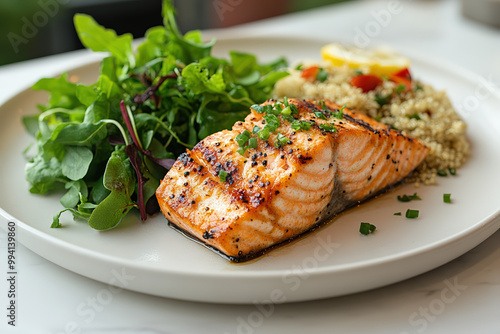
(423, 113)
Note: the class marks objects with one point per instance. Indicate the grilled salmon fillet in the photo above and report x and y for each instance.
(243, 204)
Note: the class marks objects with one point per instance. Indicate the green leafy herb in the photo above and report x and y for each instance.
(411, 213)
(418, 87)
(408, 198)
(298, 125)
(358, 72)
(339, 114)
(329, 127)
(397, 213)
(366, 228)
(447, 198)
(110, 143)
(320, 115)
(442, 172)
(453, 171)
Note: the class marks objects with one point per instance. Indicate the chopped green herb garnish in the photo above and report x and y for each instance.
(264, 133)
(242, 150)
(319, 114)
(447, 198)
(272, 122)
(412, 213)
(366, 228)
(453, 171)
(397, 213)
(418, 87)
(382, 100)
(294, 108)
(255, 129)
(400, 89)
(442, 172)
(281, 140)
(222, 175)
(258, 108)
(242, 138)
(285, 101)
(321, 75)
(252, 142)
(358, 72)
(339, 114)
(328, 127)
(300, 125)
(408, 198)
(287, 111)
(385, 77)
(299, 67)
(415, 116)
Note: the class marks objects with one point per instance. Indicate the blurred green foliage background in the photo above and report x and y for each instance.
(36, 28)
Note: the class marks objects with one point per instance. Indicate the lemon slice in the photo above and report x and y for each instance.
(377, 61)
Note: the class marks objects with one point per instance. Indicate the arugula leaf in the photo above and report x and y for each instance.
(97, 38)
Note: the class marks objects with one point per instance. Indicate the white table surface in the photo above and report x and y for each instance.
(462, 296)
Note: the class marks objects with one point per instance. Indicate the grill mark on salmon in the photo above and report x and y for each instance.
(271, 194)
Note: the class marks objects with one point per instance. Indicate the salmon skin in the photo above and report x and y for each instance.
(292, 181)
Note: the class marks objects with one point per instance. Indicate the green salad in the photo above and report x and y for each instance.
(109, 144)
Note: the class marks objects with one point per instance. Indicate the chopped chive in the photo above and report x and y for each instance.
(242, 150)
(252, 142)
(294, 108)
(285, 101)
(397, 213)
(358, 72)
(272, 122)
(453, 171)
(328, 127)
(408, 198)
(319, 114)
(296, 125)
(255, 129)
(222, 175)
(299, 67)
(442, 172)
(321, 75)
(305, 125)
(366, 228)
(447, 198)
(242, 138)
(280, 140)
(412, 213)
(263, 134)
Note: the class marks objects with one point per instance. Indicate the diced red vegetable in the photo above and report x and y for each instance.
(366, 82)
(404, 73)
(310, 73)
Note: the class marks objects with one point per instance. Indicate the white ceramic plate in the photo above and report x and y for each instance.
(335, 260)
